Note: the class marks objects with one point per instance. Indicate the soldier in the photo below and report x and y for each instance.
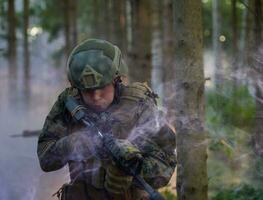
(95, 71)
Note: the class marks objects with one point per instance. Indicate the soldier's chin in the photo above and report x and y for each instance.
(99, 108)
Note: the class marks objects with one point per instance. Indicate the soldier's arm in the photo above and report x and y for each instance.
(157, 141)
(50, 154)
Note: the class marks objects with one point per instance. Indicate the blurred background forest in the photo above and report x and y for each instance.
(37, 36)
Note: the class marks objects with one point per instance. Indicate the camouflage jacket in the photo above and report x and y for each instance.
(135, 118)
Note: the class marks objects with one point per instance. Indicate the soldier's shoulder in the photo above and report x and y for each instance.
(138, 91)
(59, 105)
(70, 91)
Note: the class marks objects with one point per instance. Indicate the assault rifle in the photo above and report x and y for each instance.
(111, 146)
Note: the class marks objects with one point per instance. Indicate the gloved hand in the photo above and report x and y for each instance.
(128, 154)
(78, 146)
(116, 182)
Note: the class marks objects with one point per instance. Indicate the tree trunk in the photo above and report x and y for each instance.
(234, 38)
(129, 25)
(73, 23)
(26, 51)
(243, 37)
(258, 22)
(11, 38)
(216, 43)
(118, 25)
(189, 101)
(168, 53)
(156, 77)
(256, 62)
(140, 54)
(66, 11)
(3, 18)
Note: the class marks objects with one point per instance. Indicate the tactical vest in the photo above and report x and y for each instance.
(124, 115)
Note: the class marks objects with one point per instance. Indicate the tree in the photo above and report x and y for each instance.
(217, 48)
(167, 61)
(11, 37)
(26, 49)
(189, 101)
(116, 20)
(256, 62)
(70, 25)
(234, 36)
(157, 47)
(140, 53)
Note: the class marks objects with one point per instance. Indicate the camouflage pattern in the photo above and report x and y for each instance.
(116, 182)
(134, 118)
(95, 63)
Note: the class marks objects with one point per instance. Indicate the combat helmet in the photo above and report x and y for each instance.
(95, 63)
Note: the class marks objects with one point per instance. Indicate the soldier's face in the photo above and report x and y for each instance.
(99, 99)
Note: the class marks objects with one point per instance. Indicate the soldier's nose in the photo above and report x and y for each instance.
(97, 94)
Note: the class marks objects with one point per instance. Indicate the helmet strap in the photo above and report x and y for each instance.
(117, 89)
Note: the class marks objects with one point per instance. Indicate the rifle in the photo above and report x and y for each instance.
(28, 133)
(111, 146)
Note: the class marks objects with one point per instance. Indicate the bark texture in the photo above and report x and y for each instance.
(70, 25)
(26, 51)
(256, 61)
(140, 54)
(11, 36)
(167, 61)
(189, 101)
(217, 47)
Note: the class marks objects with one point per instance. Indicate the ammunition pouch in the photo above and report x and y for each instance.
(73, 191)
(80, 190)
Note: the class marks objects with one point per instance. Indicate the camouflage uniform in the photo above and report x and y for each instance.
(134, 117)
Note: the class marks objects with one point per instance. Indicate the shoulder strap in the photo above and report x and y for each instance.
(138, 91)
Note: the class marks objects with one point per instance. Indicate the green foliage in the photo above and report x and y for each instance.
(225, 25)
(230, 112)
(50, 13)
(168, 195)
(231, 106)
(242, 192)
(230, 115)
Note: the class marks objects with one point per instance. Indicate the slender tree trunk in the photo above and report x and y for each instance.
(2, 22)
(66, 8)
(258, 22)
(189, 101)
(168, 54)
(100, 24)
(11, 52)
(234, 38)
(140, 54)
(11, 38)
(73, 23)
(256, 63)
(157, 77)
(216, 43)
(243, 37)
(25, 41)
(118, 25)
(26, 51)
(109, 17)
(129, 25)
